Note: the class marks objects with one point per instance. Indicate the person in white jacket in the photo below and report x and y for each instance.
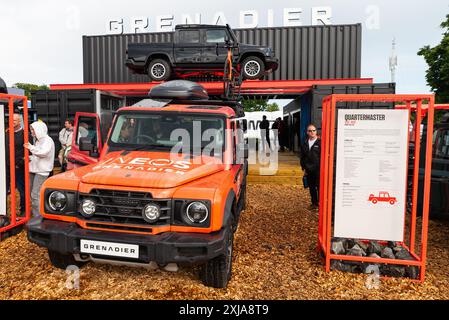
(41, 162)
(65, 138)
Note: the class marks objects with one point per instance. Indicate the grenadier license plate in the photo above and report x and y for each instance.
(110, 249)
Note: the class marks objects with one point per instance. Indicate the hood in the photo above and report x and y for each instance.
(40, 129)
(145, 169)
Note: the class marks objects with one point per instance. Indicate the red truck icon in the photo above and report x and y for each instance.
(383, 197)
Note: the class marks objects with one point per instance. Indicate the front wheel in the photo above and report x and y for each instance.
(253, 68)
(159, 70)
(217, 272)
(62, 261)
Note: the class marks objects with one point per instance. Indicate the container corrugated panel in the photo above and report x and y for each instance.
(308, 52)
(320, 92)
(54, 107)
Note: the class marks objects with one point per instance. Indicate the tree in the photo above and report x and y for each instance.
(437, 58)
(29, 87)
(254, 105)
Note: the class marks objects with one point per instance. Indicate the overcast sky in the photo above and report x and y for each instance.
(41, 41)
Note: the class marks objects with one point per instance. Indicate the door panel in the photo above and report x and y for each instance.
(188, 48)
(87, 125)
(215, 51)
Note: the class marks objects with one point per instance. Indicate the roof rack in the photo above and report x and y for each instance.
(233, 104)
(192, 93)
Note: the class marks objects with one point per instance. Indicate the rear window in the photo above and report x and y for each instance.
(189, 36)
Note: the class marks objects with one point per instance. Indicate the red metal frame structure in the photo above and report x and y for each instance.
(327, 175)
(17, 221)
(213, 88)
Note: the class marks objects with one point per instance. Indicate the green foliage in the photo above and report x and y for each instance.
(29, 87)
(437, 58)
(254, 105)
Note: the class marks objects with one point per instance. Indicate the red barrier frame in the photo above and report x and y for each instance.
(327, 174)
(17, 221)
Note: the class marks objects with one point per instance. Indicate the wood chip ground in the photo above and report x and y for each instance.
(275, 258)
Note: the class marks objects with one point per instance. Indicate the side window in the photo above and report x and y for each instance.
(87, 128)
(189, 36)
(442, 144)
(215, 36)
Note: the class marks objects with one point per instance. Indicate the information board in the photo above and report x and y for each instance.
(371, 172)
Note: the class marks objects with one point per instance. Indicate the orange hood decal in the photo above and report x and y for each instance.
(151, 169)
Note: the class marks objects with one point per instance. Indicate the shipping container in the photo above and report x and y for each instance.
(306, 52)
(55, 106)
(307, 108)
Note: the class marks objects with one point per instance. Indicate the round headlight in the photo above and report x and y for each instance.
(151, 213)
(57, 200)
(88, 207)
(197, 212)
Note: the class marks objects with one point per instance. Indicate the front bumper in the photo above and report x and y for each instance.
(64, 237)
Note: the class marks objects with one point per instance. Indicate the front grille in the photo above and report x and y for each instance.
(125, 207)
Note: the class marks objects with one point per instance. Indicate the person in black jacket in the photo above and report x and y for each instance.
(310, 163)
(265, 133)
(19, 164)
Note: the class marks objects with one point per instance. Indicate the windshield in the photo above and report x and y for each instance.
(169, 132)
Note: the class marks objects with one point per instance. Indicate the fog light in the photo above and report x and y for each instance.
(57, 200)
(151, 213)
(88, 207)
(197, 212)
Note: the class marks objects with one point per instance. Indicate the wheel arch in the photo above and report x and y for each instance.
(157, 55)
(252, 54)
(229, 209)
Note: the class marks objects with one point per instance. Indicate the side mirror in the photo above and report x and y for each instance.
(227, 40)
(86, 144)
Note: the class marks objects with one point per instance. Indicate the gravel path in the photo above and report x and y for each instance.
(275, 258)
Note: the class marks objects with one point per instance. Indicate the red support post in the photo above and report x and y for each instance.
(427, 182)
(12, 163)
(15, 220)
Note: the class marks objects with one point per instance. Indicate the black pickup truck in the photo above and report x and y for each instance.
(199, 49)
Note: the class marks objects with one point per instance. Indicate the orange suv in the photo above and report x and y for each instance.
(167, 186)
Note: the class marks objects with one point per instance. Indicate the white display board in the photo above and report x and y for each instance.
(2, 161)
(371, 172)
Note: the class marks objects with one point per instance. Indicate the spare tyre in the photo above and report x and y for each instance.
(3, 87)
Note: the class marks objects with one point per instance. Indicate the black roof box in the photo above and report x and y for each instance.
(3, 88)
(180, 90)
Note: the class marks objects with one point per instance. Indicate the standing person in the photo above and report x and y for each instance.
(275, 127)
(265, 128)
(65, 138)
(283, 135)
(19, 165)
(41, 162)
(310, 163)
